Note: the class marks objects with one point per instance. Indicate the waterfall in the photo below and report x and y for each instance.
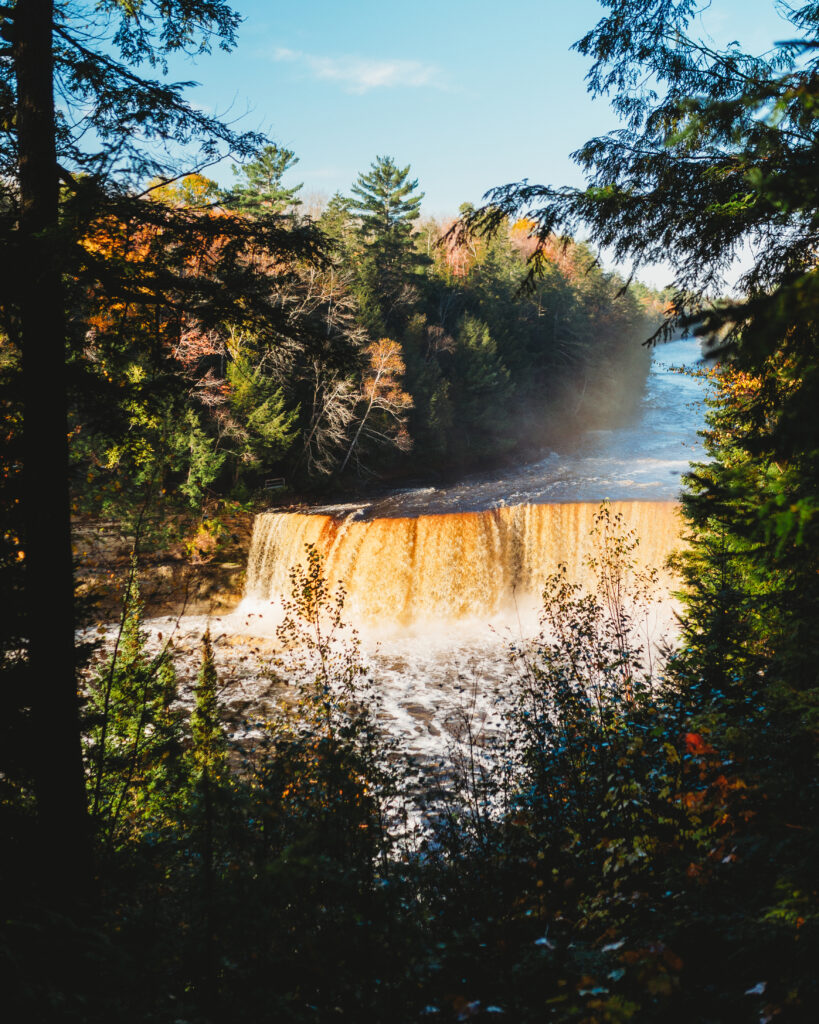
(432, 569)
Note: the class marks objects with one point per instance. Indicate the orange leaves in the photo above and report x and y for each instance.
(523, 236)
(195, 344)
(381, 385)
(150, 268)
(564, 255)
(695, 744)
(385, 356)
(459, 250)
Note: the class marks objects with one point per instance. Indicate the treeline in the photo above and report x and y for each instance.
(389, 347)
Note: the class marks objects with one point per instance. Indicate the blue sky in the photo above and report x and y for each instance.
(471, 93)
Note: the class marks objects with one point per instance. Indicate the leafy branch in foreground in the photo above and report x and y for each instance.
(712, 155)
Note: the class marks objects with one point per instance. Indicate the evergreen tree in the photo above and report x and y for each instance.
(484, 386)
(385, 201)
(260, 190)
(193, 452)
(209, 746)
(208, 758)
(268, 429)
(134, 742)
(387, 204)
(98, 58)
(337, 220)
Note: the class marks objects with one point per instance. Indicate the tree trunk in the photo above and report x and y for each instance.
(49, 579)
(354, 442)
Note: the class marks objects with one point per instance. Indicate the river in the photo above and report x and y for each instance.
(442, 582)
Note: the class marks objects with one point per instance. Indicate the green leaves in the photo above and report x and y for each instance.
(386, 201)
(208, 753)
(261, 191)
(134, 735)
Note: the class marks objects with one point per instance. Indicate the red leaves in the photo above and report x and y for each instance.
(695, 744)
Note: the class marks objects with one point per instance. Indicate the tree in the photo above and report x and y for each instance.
(381, 392)
(134, 743)
(387, 204)
(208, 757)
(194, 191)
(261, 190)
(193, 451)
(713, 156)
(485, 378)
(337, 221)
(95, 57)
(49, 582)
(267, 428)
(209, 749)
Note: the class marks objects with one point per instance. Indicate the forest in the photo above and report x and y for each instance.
(387, 349)
(638, 840)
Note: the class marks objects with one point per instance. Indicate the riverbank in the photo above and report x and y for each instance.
(200, 570)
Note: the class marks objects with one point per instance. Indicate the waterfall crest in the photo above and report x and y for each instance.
(431, 569)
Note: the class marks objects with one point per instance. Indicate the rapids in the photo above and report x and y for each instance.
(441, 583)
(420, 560)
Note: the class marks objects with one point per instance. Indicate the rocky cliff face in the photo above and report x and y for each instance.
(197, 574)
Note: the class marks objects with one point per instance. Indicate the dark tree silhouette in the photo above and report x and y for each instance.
(68, 174)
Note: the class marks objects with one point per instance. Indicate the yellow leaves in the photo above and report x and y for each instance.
(741, 383)
(192, 190)
(524, 227)
(385, 356)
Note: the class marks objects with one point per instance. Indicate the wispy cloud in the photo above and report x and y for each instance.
(360, 74)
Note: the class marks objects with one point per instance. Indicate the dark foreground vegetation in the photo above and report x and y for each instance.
(639, 840)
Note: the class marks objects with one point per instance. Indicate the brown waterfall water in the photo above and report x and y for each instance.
(442, 581)
(451, 567)
(480, 549)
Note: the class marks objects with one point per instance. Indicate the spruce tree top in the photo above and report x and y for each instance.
(261, 189)
(385, 201)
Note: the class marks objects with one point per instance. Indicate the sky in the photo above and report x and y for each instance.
(470, 93)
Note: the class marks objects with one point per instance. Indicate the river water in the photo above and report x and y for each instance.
(443, 582)
(640, 460)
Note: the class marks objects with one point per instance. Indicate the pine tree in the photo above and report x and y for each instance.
(208, 758)
(134, 740)
(209, 747)
(483, 385)
(193, 451)
(98, 58)
(337, 222)
(385, 201)
(387, 204)
(261, 190)
(267, 426)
